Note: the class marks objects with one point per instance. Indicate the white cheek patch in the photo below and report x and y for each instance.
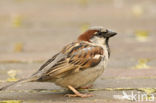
(97, 56)
(98, 40)
(101, 41)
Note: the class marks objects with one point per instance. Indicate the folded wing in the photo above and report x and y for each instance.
(74, 57)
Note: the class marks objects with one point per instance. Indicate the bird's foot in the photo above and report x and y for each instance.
(77, 94)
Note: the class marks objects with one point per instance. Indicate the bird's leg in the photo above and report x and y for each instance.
(76, 93)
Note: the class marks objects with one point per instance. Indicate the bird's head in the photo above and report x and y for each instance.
(97, 35)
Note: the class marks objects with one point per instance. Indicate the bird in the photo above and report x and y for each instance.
(78, 64)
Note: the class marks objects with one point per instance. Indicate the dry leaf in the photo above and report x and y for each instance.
(12, 76)
(142, 64)
(137, 10)
(83, 2)
(148, 91)
(17, 21)
(18, 47)
(142, 35)
(12, 80)
(84, 27)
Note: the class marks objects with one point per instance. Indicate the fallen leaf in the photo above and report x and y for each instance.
(142, 35)
(84, 27)
(12, 76)
(148, 91)
(83, 3)
(142, 64)
(12, 80)
(137, 10)
(18, 47)
(16, 21)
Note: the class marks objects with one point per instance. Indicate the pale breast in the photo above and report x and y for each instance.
(86, 76)
(82, 78)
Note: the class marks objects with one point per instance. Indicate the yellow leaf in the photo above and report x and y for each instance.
(16, 21)
(12, 73)
(142, 35)
(137, 10)
(148, 91)
(84, 27)
(11, 101)
(83, 2)
(18, 47)
(142, 64)
(12, 76)
(12, 80)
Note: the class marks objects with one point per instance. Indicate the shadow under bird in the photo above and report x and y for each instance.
(78, 64)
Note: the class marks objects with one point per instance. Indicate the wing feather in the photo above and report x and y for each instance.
(77, 56)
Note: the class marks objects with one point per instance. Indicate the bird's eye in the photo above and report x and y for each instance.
(100, 33)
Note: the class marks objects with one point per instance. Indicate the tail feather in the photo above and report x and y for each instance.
(19, 81)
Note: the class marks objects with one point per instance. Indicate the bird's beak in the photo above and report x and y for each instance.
(111, 34)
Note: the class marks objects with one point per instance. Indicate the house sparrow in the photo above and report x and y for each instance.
(78, 64)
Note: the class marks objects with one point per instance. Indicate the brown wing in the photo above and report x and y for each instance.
(77, 56)
(46, 63)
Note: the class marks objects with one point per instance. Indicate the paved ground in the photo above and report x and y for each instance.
(34, 30)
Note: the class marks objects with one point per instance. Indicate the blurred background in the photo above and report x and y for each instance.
(32, 31)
